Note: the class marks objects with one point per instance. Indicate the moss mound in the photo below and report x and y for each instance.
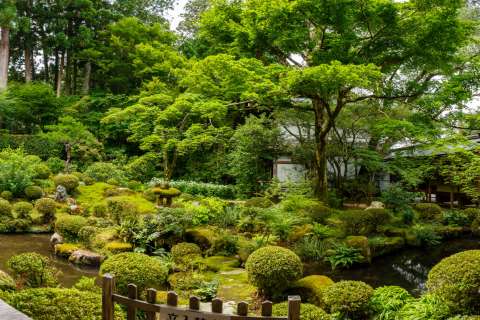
(311, 288)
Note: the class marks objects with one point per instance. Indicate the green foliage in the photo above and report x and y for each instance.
(456, 218)
(86, 234)
(33, 192)
(364, 222)
(428, 307)
(7, 195)
(386, 301)
(311, 249)
(118, 247)
(311, 289)
(6, 282)
(307, 311)
(87, 284)
(55, 303)
(424, 235)
(258, 202)
(201, 188)
(103, 171)
(55, 164)
(32, 270)
(17, 170)
(348, 298)
(428, 211)
(121, 209)
(456, 281)
(69, 226)
(272, 269)
(140, 269)
(66, 249)
(5, 209)
(69, 181)
(344, 256)
(46, 207)
(23, 210)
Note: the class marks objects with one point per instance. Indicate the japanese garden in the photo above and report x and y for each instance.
(240, 156)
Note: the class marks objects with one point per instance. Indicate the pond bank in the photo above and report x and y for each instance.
(13, 244)
(407, 268)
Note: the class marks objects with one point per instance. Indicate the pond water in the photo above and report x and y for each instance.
(11, 245)
(407, 268)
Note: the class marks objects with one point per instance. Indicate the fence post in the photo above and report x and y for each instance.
(151, 298)
(294, 307)
(131, 309)
(108, 287)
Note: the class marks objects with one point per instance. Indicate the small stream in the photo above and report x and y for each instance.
(11, 245)
(407, 268)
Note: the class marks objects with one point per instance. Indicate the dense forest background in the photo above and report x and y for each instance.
(239, 83)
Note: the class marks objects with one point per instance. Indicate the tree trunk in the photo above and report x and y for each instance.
(4, 56)
(320, 163)
(45, 66)
(68, 151)
(86, 78)
(28, 64)
(60, 75)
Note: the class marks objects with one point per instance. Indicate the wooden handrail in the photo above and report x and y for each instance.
(171, 311)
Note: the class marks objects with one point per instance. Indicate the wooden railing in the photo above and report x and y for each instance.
(171, 311)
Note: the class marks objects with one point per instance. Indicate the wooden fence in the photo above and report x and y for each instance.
(171, 311)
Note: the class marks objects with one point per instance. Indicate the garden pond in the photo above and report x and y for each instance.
(407, 268)
(11, 245)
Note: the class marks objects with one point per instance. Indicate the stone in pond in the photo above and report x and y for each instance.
(85, 257)
(61, 194)
(56, 239)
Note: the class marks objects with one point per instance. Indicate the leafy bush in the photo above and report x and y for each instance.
(364, 222)
(5, 209)
(225, 244)
(87, 284)
(471, 213)
(46, 207)
(272, 269)
(42, 171)
(23, 210)
(311, 249)
(344, 256)
(32, 270)
(6, 282)
(428, 211)
(386, 301)
(200, 188)
(87, 234)
(383, 245)
(424, 235)
(455, 218)
(33, 192)
(17, 170)
(55, 164)
(118, 247)
(69, 181)
(57, 304)
(140, 269)
(258, 202)
(349, 298)
(456, 280)
(69, 226)
(307, 311)
(104, 171)
(120, 209)
(428, 307)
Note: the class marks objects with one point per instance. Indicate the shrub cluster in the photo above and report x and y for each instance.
(69, 226)
(32, 270)
(349, 298)
(105, 171)
(428, 211)
(69, 181)
(46, 207)
(33, 192)
(184, 252)
(23, 210)
(364, 222)
(200, 188)
(307, 311)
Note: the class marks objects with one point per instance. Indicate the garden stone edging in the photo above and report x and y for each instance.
(85, 257)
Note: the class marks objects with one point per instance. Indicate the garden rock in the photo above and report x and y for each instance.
(376, 205)
(56, 239)
(85, 257)
(61, 194)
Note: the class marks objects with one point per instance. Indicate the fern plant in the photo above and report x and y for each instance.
(344, 256)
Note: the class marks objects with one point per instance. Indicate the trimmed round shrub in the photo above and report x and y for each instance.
(387, 301)
(185, 251)
(428, 211)
(307, 311)
(99, 210)
(69, 226)
(137, 268)
(59, 304)
(5, 208)
(69, 181)
(272, 269)
(7, 195)
(23, 210)
(46, 207)
(349, 298)
(42, 171)
(456, 280)
(32, 270)
(87, 234)
(33, 192)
